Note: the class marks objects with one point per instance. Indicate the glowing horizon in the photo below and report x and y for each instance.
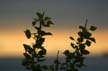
(11, 44)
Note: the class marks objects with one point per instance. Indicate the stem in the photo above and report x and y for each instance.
(57, 54)
(86, 22)
(57, 65)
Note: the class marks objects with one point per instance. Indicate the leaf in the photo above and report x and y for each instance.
(80, 39)
(92, 39)
(28, 48)
(88, 43)
(33, 23)
(42, 52)
(81, 47)
(80, 34)
(27, 56)
(37, 28)
(47, 18)
(40, 15)
(81, 27)
(48, 23)
(48, 33)
(43, 33)
(93, 28)
(73, 45)
(28, 33)
(39, 42)
(85, 52)
(72, 38)
(87, 35)
(66, 53)
(84, 34)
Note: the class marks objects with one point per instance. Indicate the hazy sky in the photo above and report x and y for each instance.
(17, 15)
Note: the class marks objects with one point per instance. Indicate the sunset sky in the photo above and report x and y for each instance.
(17, 15)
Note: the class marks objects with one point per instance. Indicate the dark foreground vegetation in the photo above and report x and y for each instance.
(35, 54)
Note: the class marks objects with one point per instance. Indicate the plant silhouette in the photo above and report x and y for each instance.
(74, 60)
(35, 54)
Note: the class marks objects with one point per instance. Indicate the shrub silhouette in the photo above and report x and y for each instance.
(35, 54)
(75, 59)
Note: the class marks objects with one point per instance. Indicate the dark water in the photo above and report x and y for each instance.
(93, 64)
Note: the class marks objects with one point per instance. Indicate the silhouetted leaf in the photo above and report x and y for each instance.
(85, 52)
(28, 33)
(27, 56)
(73, 45)
(84, 34)
(88, 43)
(28, 48)
(37, 28)
(39, 42)
(33, 23)
(48, 33)
(48, 23)
(66, 52)
(71, 38)
(93, 28)
(81, 47)
(42, 52)
(80, 34)
(40, 15)
(92, 39)
(43, 33)
(81, 27)
(87, 35)
(47, 18)
(80, 39)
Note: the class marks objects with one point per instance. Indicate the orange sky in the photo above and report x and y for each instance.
(11, 42)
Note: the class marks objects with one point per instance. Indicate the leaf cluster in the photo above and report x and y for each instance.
(75, 60)
(35, 54)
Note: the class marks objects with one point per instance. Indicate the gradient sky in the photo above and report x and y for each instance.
(17, 15)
